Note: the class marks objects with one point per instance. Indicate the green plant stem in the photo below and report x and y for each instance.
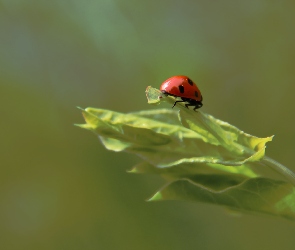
(280, 168)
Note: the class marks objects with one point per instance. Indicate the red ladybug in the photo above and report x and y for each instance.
(185, 88)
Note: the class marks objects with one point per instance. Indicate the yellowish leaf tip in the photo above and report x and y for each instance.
(156, 197)
(132, 171)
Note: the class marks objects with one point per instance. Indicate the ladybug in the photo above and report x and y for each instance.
(185, 88)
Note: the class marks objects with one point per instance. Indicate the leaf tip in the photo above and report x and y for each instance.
(80, 108)
(132, 171)
(156, 197)
(153, 95)
(85, 126)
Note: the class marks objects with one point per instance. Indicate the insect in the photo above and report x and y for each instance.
(185, 88)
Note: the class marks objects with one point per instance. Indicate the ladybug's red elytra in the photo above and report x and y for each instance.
(185, 88)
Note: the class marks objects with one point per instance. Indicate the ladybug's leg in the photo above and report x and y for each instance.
(183, 99)
(177, 102)
(196, 104)
(187, 105)
(190, 104)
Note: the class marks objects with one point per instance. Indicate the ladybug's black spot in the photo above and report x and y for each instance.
(196, 94)
(190, 82)
(181, 89)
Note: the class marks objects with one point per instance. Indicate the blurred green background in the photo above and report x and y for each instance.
(60, 189)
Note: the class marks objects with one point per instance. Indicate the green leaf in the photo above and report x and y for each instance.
(250, 195)
(186, 170)
(203, 158)
(163, 144)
